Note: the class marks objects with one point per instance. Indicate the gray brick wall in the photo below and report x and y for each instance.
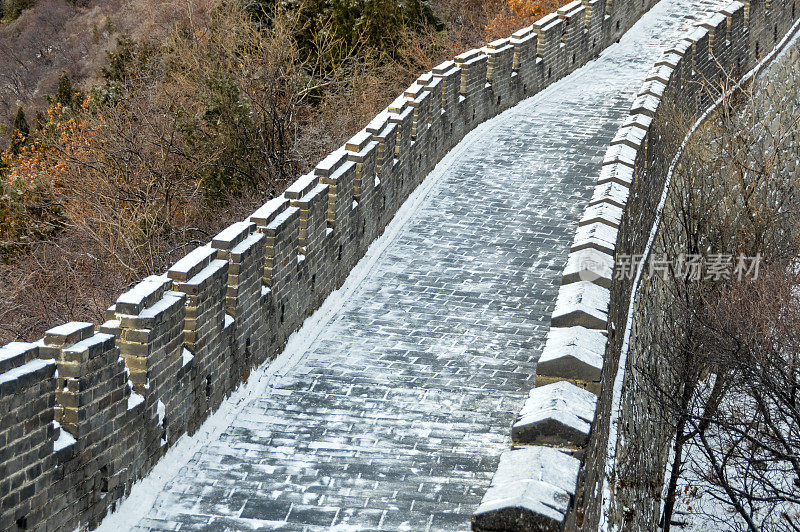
(734, 41)
(177, 344)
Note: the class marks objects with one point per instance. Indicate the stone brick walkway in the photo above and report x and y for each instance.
(390, 409)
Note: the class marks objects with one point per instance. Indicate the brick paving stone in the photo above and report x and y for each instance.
(397, 414)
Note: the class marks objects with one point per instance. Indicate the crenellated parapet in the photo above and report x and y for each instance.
(86, 413)
(148, 322)
(243, 247)
(208, 329)
(29, 433)
(574, 411)
(91, 406)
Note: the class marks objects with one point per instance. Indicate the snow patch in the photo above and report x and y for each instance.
(134, 400)
(187, 356)
(65, 439)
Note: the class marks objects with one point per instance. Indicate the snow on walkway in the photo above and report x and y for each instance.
(389, 409)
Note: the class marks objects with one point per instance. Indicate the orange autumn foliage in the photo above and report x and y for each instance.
(103, 193)
(79, 170)
(517, 14)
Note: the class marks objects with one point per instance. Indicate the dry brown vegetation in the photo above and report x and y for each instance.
(721, 352)
(58, 37)
(152, 125)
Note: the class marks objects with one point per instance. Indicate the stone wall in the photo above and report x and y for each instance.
(87, 410)
(646, 429)
(582, 401)
(734, 41)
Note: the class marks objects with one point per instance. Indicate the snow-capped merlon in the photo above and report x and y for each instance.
(68, 334)
(573, 353)
(143, 295)
(359, 141)
(616, 172)
(601, 237)
(191, 264)
(698, 34)
(612, 193)
(646, 104)
(17, 378)
(233, 235)
(558, 414)
(604, 213)
(544, 464)
(89, 348)
(584, 304)
(670, 59)
(589, 265)
(302, 186)
(660, 72)
(620, 153)
(522, 505)
(683, 46)
(630, 136)
(653, 87)
(638, 120)
(15, 354)
(531, 490)
(265, 214)
(196, 268)
(328, 166)
(715, 21)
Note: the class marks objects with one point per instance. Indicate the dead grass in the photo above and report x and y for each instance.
(129, 183)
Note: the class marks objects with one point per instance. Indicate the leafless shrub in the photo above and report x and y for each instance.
(721, 363)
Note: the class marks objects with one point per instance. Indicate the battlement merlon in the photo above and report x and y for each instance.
(143, 295)
(16, 354)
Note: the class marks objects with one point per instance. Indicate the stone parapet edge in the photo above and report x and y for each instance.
(81, 427)
(575, 383)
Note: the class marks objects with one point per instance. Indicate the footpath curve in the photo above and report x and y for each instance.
(389, 409)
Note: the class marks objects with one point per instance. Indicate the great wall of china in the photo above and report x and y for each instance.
(89, 410)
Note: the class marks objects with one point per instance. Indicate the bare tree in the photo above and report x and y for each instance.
(718, 357)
